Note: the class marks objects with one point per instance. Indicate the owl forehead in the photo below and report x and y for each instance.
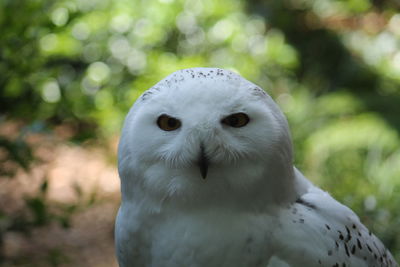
(202, 74)
(203, 85)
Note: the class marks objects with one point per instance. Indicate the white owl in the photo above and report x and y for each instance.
(207, 180)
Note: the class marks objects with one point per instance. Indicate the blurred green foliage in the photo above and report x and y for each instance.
(332, 65)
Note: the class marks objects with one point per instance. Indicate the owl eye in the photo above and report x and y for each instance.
(168, 123)
(236, 120)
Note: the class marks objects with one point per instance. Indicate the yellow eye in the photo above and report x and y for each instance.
(168, 123)
(236, 120)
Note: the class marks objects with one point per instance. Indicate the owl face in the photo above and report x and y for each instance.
(202, 132)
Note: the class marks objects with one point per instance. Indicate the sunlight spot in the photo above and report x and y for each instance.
(119, 47)
(121, 23)
(60, 16)
(143, 28)
(49, 42)
(195, 6)
(80, 31)
(89, 87)
(98, 72)
(136, 61)
(257, 45)
(186, 22)
(51, 91)
(221, 31)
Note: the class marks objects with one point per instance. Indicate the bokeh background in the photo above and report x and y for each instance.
(70, 70)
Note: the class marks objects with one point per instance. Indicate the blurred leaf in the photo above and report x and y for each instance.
(38, 208)
(17, 151)
(57, 258)
(44, 186)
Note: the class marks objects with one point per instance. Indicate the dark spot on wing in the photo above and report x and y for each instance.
(341, 237)
(353, 249)
(305, 203)
(348, 237)
(359, 244)
(346, 249)
(347, 230)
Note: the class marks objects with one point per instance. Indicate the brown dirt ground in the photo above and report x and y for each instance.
(83, 175)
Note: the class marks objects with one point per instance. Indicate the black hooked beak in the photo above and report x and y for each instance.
(203, 162)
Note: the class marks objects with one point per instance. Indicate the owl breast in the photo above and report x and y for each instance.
(201, 238)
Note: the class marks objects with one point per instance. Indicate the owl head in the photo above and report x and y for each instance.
(205, 134)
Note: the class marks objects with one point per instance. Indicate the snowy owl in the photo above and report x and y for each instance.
(207, 180)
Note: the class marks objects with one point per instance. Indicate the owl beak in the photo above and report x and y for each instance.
(203, 162)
